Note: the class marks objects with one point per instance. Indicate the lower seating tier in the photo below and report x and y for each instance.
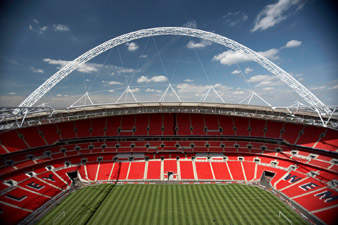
(33, 187)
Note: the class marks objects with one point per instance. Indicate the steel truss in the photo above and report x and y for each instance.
(307, 95)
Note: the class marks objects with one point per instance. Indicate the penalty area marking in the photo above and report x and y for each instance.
(280, 213)
(62, 213)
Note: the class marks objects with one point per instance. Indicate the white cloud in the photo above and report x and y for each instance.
(298, 76)
(132, 46)
(30, 27)
(293, 44)
(35, 70)
(270, 54)
(152, 90)
(58, 95)
(143, 56)
(264, 83)
(36, 21)
(275, 13)
(334, 87)
(145, 79)
(84, 68)
(199, 90)
(87, 80)
(190, 24)
(261, 78)
(201, 44)
(248, 70)
(12, 93)
(234, 18)
(111, 91)
(318, 88)
(231, 57)
(192, 89)
(60, 27)
(43, 29)
(92, 67)
(135, 90)
(188, 80)
(236, 72)
(125, 70)
(113, 82)
(238, 92)
(268, 88)
(194, 92)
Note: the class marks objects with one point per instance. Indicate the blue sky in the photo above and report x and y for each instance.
(39, 37)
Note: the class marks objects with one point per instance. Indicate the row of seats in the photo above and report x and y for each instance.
(168, 124)
(42, 184)
(22, 193)
(22, 160)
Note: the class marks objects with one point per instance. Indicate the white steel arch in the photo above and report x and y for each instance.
(307, 95)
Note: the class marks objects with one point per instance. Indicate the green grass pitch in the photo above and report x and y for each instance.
(183, 204)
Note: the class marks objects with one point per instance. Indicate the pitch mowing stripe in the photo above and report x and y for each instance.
(133, 210)
(92, 207)
(100, 205)
(104, 210)
(213, 203)
(241, 204)
(170, 207)
(270, 205)
(151, 202)
(125, 204)
(222, 194)
(250, 206)
(201, 204)
(204, 192)
(183, 200)
(83, 204)
(232, 210)
(142, 205)
(196, 209)
(67, 205)
(101, 211)
(99, 215)
(150, 214)
(176, 205)
(190, 205)
(156, 216)
(172, 204)
(113, 206)
(238, 205)
(279, 206)
(137, 207)
(290, 212)
(219, 203)
(164, 205)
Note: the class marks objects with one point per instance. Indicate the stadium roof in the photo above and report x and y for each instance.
(33, 116)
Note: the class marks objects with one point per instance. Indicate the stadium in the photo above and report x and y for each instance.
(168, 162)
